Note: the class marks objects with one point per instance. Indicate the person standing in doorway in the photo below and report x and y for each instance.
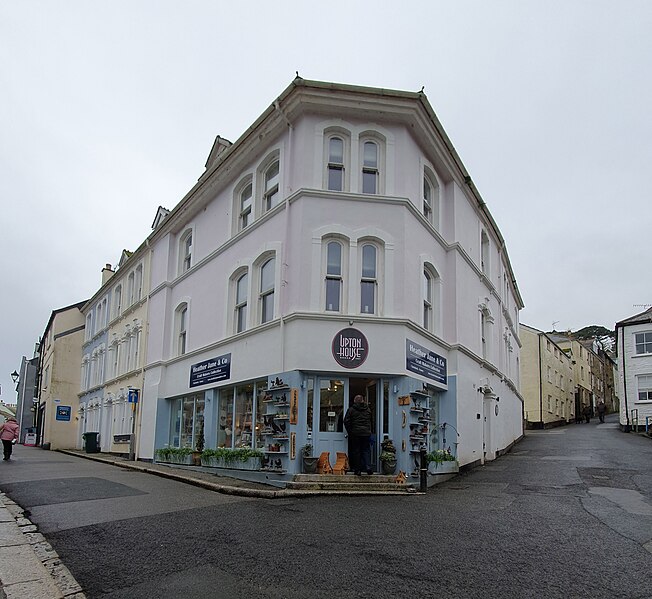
(358, 424)
(601, 411)
(586, 412)
(9, 435)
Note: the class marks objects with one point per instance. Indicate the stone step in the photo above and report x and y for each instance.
(378, 487)
(346, 478)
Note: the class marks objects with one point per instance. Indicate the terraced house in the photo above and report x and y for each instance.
(338, 247)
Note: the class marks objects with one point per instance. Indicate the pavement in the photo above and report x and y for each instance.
(29, 566)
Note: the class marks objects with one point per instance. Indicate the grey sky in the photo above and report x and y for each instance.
(109, 109)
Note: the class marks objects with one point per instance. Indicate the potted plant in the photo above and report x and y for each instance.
(388, 457)
(199, 447)
(309, 461)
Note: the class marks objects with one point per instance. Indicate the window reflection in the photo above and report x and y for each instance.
(331, 406)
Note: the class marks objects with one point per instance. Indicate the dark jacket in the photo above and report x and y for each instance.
(358, 420)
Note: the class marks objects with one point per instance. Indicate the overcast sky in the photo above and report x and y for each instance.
(109, 109)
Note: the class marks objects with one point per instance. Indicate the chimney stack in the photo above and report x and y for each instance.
(107, 273)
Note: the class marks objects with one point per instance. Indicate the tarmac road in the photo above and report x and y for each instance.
(568, 513)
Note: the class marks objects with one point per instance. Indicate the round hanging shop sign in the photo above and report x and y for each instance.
(350, 348)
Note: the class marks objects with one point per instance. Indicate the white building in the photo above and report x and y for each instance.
(634, 342)
(341, 247)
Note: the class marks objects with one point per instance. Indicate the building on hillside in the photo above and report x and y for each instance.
(26, 395)
(634, 343)
(113, 354)
(597, 373)
(58, 378)
(547, 383)
(339, 247)
(611, 381)
(580, 358)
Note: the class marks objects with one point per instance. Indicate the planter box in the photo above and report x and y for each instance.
(443, 468)
(250, 464)
(182, 460)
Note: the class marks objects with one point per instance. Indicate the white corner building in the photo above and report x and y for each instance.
(338, 247)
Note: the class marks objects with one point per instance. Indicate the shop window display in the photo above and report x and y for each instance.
(331, 406)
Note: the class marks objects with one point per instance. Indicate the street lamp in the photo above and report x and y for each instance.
(14, 377)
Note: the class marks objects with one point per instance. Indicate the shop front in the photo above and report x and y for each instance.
(278, 415)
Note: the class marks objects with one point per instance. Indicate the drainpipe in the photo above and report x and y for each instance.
(627, 426)
(540, 386)
(284, 250)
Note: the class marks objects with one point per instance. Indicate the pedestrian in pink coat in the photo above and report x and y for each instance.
(9, 435)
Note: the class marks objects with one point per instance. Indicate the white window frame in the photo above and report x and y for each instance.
(240, 303)
(186, 243)
(333, 165)
(431, 209)
(138, 283)
(245, 216)
(334, 276)
(485, 254)
(271, 185)
(117, 301)
(264, 293)
(366, 280)
(182, 314)
(646, 343)
(644, 384)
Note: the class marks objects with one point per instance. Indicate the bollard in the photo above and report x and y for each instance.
(423, 470)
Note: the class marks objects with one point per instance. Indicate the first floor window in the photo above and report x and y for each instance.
(645, 387)
(267, 290)
(241, 289)
(368, 280)
(182, 316)
(333, 276)
(427, 285)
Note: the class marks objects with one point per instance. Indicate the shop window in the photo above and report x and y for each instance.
(244, 411)
(310, 396)
(261, 409)
(186, 420)
(267, 279)
(225, 419)
(334, 276)
(368, 281)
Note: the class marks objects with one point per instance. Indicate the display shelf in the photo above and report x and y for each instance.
(276, 452)
(419, 428)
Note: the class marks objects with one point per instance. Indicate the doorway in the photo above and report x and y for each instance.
(334, 396)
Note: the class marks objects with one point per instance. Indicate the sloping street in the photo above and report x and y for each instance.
(568, 513)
